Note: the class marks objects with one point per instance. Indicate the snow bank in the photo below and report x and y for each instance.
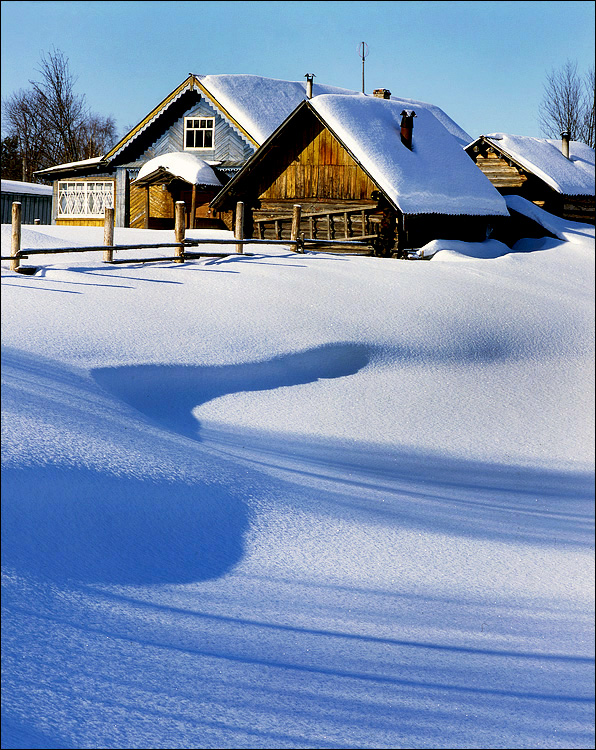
(281, 500)
(454, 250)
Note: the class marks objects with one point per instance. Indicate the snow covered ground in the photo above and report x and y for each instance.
(299, 501)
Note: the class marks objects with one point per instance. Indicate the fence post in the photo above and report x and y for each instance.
(179, 227)
(239, 230)
(16, 236)
(108, 235)
(295, 223)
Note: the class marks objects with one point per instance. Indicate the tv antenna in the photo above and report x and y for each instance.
(363, 52)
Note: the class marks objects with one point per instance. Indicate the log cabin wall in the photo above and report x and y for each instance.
(511, 179)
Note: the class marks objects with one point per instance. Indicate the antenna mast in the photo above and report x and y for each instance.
(363, 52)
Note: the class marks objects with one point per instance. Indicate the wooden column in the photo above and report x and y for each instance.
(146, 206)
(16, 236)
(179, 227)
(108, 234)
(295, 223)
(239, 229)
(193, 207)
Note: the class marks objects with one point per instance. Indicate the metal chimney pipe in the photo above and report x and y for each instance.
(309, 78)
(565, 135)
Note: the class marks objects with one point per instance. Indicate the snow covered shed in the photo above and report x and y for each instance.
(35, 200)
(368, 156)
(220, 119)
(557, 175)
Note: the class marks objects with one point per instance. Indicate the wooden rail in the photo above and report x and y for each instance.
(298, 242)
(330, 220)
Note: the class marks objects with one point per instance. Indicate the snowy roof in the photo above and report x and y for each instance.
(182, 164)
(25, 188)
(261, 104)
(543, 157)
(436, 176)
(72, 165)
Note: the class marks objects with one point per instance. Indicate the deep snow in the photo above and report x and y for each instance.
(304, 501)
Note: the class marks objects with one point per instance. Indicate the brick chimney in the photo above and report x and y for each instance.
(382, 93)
(407, 125)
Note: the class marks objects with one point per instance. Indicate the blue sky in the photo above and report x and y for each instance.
(484, 63)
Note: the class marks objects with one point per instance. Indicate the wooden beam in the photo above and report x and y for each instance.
(146, 223)
(193, 207)
(108, 235)
(239, 227)
(179, 227)
(16, 236)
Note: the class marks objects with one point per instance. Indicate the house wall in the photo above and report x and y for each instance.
(80, 222)
(312, 167)
(228, 146)
(510, 179)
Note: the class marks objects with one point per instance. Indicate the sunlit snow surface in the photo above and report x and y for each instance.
(298, 501)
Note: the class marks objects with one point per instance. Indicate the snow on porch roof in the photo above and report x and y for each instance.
(544, 158)
(183, 165)
(436, 177)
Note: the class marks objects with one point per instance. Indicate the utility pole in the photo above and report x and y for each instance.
(363, 52)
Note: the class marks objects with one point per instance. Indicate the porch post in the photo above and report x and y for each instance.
(193, 207)
(146, 206)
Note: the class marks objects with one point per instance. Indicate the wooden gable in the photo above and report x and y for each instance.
(304, 163)
(501, 171)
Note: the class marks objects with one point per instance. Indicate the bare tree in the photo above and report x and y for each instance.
(24, 124)
(588, 126)
(52, 122)
(567, 104)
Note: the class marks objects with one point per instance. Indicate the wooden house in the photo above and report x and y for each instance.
(556, 175)
(361, 166)
(219, 119)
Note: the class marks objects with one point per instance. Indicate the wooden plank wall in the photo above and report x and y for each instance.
(316, 166)
(160, 205)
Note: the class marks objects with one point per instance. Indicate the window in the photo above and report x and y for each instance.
(85, 198)
(198, 132)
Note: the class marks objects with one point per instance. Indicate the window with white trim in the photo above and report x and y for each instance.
(85, 198)
(198, 132)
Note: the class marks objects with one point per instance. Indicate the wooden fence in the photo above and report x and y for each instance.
(323, 225)
(181, 244)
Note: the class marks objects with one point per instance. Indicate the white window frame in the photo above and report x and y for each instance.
(208, 127)
(85, 199)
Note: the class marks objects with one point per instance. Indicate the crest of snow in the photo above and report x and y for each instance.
(183, 164)
(572, 231)
(456, 250)
(543, 157)
(25, 188)
(436, 177)
(82, 163)
(260, 104)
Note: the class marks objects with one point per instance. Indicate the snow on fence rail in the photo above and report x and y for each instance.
(298, 242)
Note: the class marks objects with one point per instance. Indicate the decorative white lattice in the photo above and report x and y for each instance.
(85, 198)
